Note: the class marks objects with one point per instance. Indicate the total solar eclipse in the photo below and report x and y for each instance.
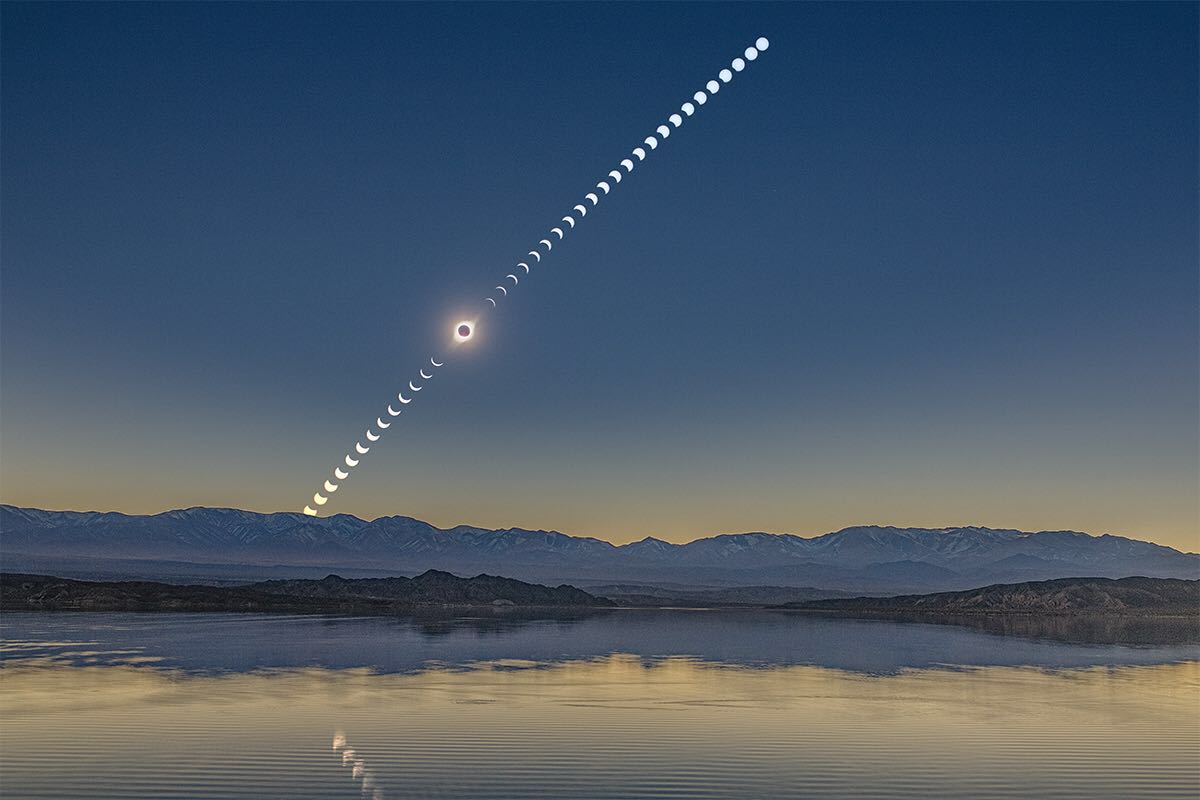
(464, 330)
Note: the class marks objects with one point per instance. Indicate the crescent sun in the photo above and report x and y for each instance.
(627, 164)
(423, 375)
(559, 231)
(362, 451)
(372, 436)
(604, 186)
(514, 278)
(436, 364)
(403, 402)
(490, 300)
(340, 473)
(616, 176)
(414, 388)
(310, 511)
(591, 196)
(651, 141)
(320, 499)
(548, 243)
(501, 288)
(537, 256)
(391, 412)
(526, 266)
(581, 209)
(569, 220)
(381, 424)
(663, 131)
(330, 487)
(351, 463)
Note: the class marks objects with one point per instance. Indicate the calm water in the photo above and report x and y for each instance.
(622, 705)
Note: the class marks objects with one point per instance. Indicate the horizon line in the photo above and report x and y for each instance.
(302, 517)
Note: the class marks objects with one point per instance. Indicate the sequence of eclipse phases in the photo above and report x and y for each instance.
(463, 331)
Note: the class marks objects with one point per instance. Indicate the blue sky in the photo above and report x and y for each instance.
(917, 265)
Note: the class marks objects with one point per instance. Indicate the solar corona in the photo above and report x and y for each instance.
(463, 331)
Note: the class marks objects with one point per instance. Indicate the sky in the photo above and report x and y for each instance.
(917, 265)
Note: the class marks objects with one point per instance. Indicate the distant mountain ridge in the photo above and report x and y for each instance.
(867, 559)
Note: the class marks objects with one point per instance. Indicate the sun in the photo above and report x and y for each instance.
(463, 331)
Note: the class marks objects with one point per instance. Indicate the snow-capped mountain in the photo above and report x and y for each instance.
(860, 558)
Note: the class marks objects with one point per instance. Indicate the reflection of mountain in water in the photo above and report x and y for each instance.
(223, 642)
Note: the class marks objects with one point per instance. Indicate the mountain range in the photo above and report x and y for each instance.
(332, 594)
(1062, 596)
(865, 559)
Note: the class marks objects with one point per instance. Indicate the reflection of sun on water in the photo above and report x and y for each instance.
(358, 767)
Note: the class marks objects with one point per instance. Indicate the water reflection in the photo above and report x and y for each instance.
(358, 767)
(622, 725)
(234, 642)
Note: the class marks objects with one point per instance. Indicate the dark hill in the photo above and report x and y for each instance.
(433, 587)
(330, 595)
(1123, 596)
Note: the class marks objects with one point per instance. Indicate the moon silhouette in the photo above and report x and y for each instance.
(627, 164)
(351, 463)
(362, 451)
(421, 372)
(569, 220)
(372, 436)
(379, 423)
(582, 210)
(414, 388)
(559, 231)
(340, 474)
(330, 487)
(320, 499)
(592, 196)
(402, 399)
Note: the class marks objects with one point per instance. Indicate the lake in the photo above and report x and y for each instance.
(628, 704)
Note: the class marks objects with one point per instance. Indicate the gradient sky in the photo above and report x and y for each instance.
(917, 265)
